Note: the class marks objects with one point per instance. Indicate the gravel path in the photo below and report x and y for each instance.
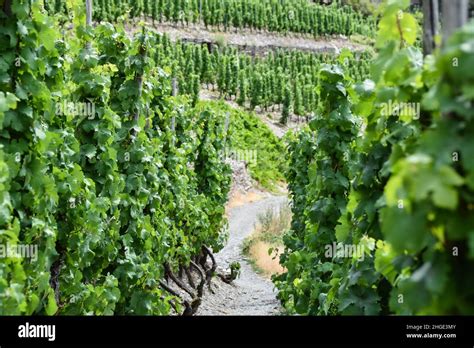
(250, 294)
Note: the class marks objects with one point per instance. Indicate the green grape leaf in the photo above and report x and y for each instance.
(404, 230)
(51, 306)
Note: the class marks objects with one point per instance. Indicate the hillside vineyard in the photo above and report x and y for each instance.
(116, 183)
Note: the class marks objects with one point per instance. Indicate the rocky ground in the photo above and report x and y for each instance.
(250, 294)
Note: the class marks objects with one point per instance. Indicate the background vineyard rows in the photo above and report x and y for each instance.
(299, 16)
(283, 78)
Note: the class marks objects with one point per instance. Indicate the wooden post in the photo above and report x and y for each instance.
(174, 87)
(226, 125)
(430, 25)
(454, 16)
(226, 129)
(173, 121)
(7, 7)
(200, 11)
(88, 18)
(174, 93)
(227, 122)
(89, 12)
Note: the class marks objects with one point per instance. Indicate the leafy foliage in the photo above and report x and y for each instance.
(107, 196)
(434, 180)
(252, 141)
(396, 184)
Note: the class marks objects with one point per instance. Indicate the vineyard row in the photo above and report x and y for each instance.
(299, 16)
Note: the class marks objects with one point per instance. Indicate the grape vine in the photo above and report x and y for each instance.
(397, 185)
(116, 199)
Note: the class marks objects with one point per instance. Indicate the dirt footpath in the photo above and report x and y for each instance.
(250, 294)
